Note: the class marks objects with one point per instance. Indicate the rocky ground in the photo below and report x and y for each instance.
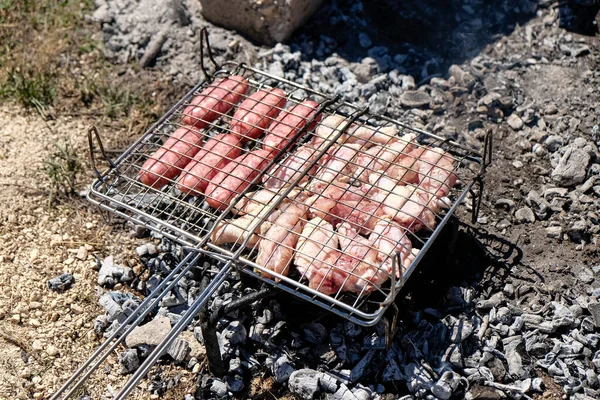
(508, 308)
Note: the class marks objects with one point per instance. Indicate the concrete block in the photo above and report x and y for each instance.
(264, 21)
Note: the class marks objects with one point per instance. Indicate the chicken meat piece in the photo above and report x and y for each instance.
(404, 170)
(328, 129)
(381, 157)
(242, 229)
(337, 168)
(357, 263)
(321, 203)
(291, 168)
(317, 248)
(260, 198)
(389, 238)
(387, 192)
(278, 244)
(360, 215)
(368, 136)
(418, 211)
(436, 172)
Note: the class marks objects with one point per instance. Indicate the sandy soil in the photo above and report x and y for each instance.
(45, 335)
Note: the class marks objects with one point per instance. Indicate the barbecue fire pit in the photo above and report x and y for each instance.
(314, 196)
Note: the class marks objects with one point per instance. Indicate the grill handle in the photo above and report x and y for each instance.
(204, 40)
(93, 134)
(163, 346)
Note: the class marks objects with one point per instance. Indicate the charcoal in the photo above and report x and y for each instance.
(282, 369)
(461, 330)
(514, 360)
(179, 350)
(328, 383)
(592, 378)
(219, 388)
(111, 273)
(392, 371)
(265, 317)
(129, 361)
(113, 304)
(314, 332)
(418, 378)
(61, 283)
(304, 383)
(360, 369)
(234, 333)
(594, 309)
(362, 393)
(374, 342)
(234, 384)
(493, 301)
(146, 250)
(100, 324)
(351, 329)
(343, 393)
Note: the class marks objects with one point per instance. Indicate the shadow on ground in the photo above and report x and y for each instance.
(424, 37)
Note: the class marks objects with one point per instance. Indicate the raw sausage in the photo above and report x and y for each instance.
(256, 113)
(235, 177)
(214, 101)
(166, 163)
(288, 124)
(216, 154)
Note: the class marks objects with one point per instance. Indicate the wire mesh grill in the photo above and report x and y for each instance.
(308, 193)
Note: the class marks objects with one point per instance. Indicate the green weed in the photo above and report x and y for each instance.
(35, 90)
(62, 169)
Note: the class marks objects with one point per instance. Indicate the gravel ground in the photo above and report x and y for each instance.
(513, 304)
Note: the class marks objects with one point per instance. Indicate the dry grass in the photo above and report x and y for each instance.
(52, 61)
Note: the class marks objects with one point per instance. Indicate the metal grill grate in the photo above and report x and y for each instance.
(338, 212)
(371, 152)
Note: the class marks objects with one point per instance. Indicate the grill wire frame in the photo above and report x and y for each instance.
(358, 309)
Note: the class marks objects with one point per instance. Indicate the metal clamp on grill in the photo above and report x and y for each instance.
(308, 193)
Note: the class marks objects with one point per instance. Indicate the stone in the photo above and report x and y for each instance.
(267, 21)
(515, 122)
(61, 283)
(554, 232)
(525, 215)
(572, 167)
(304, 383)
(149, 334)
(538, 204)
(415, 98)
